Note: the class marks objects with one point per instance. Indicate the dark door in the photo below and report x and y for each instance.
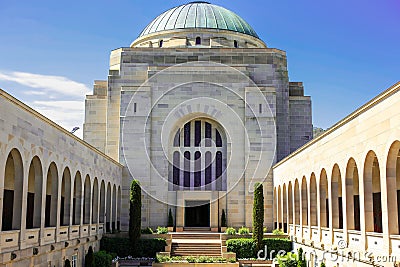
(197, 216)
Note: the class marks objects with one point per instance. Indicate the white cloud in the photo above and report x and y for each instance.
(46, 83)
(58, 98)
(67, 114)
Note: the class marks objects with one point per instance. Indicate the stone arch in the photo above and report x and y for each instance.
(34, 194)
(352, 196)
(114, 208)
(304, 201)
(372, 194)
(393, 188)
(108, 208)
(285, 209)
(102, 202)
(337, 204)
(86, 200)
(297, 201)
(279, 211)
(313, 201)
(77, 200)
(65, 210)
(95, 202)
(12, 192)
(323, 199)
(290, 203)
(119, 205)
(51, 196)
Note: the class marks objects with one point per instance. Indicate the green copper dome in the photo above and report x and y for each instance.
(199, 15)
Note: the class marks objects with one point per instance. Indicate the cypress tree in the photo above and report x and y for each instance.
(170, 219)
(135, 212)
(258, 215)
(223, 219)
(89, 258)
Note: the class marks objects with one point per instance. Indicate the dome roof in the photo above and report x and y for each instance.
(199, 15)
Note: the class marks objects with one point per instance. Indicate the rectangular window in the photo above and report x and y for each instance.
(197, 133)
(134, 107)
(207, 134)
(187, 135)
(260, 108)
(74, 261)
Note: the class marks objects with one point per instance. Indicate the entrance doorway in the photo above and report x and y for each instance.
(197, 214)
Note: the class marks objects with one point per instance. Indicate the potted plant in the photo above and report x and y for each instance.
(170, 221)
(223, 222)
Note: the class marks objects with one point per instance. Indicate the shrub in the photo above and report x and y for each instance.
(102, 259)
(123, 248)
(245, 248)
(89, 258)
(278, 232)
(192, 259)
(170, 219)
(288, 260)
(230, 231)
(162, 230)
(322, 264)
(276, 244)
(223, 219)
(147, 231)
(258, 215)
(67, 263)
(244, 231)
(135, 212)
(265, 229)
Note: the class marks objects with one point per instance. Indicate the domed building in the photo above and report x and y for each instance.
(197, 109)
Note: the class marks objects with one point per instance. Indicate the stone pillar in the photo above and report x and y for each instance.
(24, 206)
(385, 210)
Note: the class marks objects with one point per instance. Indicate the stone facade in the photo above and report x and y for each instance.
(169, 79)
(53, 189)
(340, 193)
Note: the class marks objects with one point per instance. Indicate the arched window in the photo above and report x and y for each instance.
(198, 41)
(160, 43)
(186, 173)
(200, 171)
(12, 199)
(197, 169)
(176, 168)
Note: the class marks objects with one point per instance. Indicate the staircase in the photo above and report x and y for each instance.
(196, 244)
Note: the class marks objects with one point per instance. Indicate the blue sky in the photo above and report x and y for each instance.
(345, 51)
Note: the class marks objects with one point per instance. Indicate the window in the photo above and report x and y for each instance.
(74, 260)
(176, 168)
(186, 173)
(197, 169)
(260, 108)
(235, 44)
(197, 133)
(197, 164)
(177, 138)
(198, 41)
(160, 43)
(187, 134)
(134, 107)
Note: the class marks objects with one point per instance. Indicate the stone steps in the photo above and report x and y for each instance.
(196, 244)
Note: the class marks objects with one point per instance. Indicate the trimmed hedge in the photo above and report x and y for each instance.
(123, 247)
(102, 259)
(245, 248)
